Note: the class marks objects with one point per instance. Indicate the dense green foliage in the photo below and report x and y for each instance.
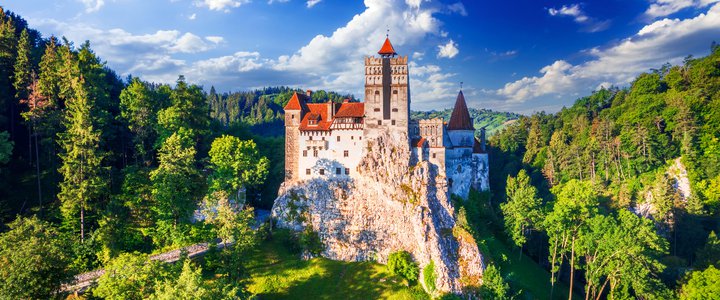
(702, 285)
(402, 264)
(616, 151)
(33, 261)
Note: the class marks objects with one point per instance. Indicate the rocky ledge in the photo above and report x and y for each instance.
(388, 206)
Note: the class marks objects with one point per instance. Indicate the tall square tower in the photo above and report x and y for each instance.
(387, 94)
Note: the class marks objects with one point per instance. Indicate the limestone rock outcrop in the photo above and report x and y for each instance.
(386, 206)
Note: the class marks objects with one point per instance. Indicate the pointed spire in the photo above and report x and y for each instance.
(460, 118)
(387, 48)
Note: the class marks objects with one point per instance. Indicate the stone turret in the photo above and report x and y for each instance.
(294, 112)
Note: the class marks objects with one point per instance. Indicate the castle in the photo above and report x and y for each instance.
(327, 140)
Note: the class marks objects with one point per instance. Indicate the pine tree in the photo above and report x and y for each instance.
(8, 44)
(23, 66)
(83, 183)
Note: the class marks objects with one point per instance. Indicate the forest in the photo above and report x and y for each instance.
(617, 196)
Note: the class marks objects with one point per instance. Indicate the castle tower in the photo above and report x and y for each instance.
(387, 93)
(294, 112)
(460, 127)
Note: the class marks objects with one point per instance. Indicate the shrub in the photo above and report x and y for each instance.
(310, 241)
(494, 287)
(401, 263)
(429, 276)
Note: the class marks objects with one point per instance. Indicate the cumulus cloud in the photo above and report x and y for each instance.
(151, 54)
(220, 5)
(192, 17)
(662, 8)
(448, 50)
(579, 16)
(311, 3)
(92, 5)
(655, 44)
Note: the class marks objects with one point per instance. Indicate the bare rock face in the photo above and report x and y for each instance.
(386, 207)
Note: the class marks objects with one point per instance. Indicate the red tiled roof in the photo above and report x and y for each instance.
(477, 148)
(295, 103)
(387, 48)
(419, 143)
(460, 118)
(316, 111)
(351, 110)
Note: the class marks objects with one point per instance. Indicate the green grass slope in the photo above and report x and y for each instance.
(275, 273)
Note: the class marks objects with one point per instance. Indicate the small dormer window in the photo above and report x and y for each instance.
(312, 122)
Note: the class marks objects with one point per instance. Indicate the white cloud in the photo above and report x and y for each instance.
(221, 5)
(572, 11)
(92, 5)
(580, 17)
(192, 17)
(458, 8)
(311, 3)
(418, 55)
(448, 50)
(215, 39)
(655, 44)
(662, 8)
(330, 62)
(277, 1)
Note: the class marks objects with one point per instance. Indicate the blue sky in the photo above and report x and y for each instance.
(522, 55)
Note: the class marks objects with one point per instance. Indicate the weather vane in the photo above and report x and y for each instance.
(387, 34)
(461, 83)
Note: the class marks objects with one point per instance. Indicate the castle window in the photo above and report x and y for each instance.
(394, 109)
(307, 171)
(322, 171)
(434, 155)
(304, 153)
(310, 138)
(395, 92)
(338, 138)
(377, 92)
(352, 137)
(292, 116)
(338, 171)
(323, 138)
(346, 153)
(393, 122)
(347, 171)
(376, 109)
(315, 153)
(379, 122)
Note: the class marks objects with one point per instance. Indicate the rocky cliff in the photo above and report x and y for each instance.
(386, 207)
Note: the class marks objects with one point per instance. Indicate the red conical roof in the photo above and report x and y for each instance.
(460, 118)
(387, 48)
(295, 103)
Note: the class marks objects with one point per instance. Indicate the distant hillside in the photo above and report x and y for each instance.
(491, 120)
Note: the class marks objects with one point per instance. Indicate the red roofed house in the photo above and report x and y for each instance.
(328, 139)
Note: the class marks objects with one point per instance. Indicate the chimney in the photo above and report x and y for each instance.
(308, 93)
(331, 109)
(482, 139)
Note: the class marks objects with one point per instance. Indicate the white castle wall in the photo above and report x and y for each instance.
(331, 152)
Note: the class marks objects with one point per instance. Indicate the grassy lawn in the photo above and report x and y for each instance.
(278, 274)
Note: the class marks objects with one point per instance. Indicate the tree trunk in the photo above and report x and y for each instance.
(572, 268)
(37, 172)
(82, 224)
